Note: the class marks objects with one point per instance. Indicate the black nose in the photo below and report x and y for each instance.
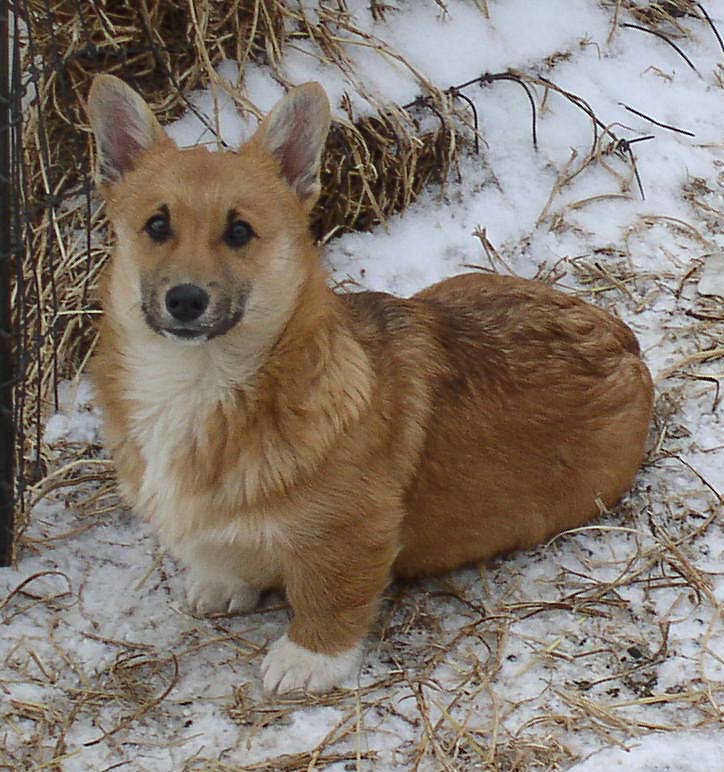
(186, 302)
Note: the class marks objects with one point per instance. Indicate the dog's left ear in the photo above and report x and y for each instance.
(294, 133)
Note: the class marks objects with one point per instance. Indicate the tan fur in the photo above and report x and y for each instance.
(328, 442)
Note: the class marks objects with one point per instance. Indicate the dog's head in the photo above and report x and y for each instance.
(209, 242)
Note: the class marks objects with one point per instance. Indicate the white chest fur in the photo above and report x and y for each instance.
(173, 389)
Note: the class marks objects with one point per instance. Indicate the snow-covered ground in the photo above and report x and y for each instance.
(603, 650)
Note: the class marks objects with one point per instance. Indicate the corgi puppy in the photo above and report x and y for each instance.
(278, 434)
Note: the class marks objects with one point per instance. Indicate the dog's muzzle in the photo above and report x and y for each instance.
(188, 313)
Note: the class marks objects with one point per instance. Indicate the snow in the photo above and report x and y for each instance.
(80, 423)
(523, 661)
(669, 752)
(712, 276)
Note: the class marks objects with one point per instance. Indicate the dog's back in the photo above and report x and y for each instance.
(539, 411)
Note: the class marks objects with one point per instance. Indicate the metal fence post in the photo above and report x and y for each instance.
(7, 434)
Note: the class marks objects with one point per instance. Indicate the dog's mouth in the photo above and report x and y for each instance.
(193, 332)
(183, 333)
(197, 332)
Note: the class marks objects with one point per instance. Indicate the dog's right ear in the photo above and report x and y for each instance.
(123, 124)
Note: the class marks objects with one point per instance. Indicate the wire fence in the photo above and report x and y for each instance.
(34, 202)
(7, 434)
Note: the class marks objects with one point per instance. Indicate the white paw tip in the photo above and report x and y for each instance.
(206, 598)
(288, 666)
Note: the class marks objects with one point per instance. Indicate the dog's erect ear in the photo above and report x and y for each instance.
(123, 124)
(295, 132)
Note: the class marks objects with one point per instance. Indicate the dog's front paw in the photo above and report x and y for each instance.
(211, 596)
(288, 666)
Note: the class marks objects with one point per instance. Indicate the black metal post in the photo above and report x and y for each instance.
(7, 433)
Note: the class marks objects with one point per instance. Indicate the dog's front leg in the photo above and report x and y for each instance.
(224, 577)
(333, 586)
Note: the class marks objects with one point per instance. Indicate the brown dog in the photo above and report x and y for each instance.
(280, 435)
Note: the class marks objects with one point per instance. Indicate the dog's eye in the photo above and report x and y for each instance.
(238, 234)
(158, 227)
